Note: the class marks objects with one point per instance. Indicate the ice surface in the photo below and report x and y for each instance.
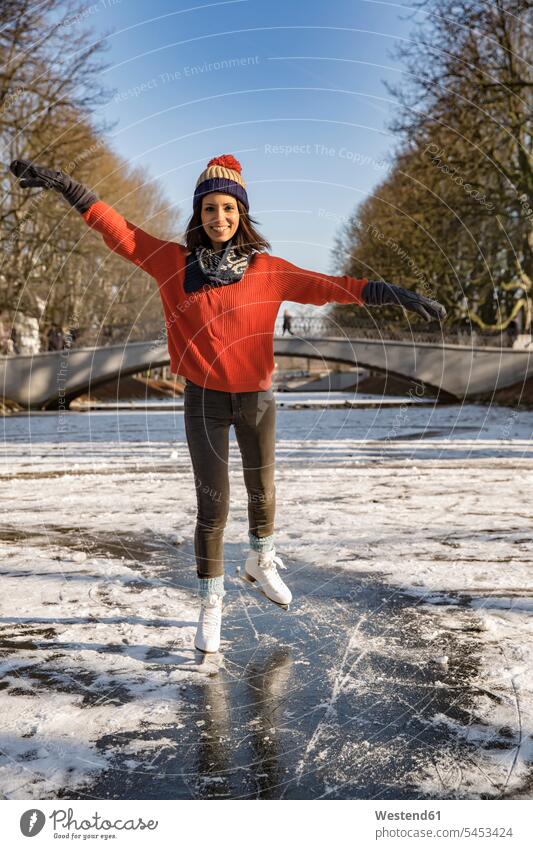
(97, 621)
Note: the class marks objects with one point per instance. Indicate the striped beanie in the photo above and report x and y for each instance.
(223, 174)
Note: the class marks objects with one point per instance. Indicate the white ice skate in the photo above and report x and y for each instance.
(262, 567)
(208, 632)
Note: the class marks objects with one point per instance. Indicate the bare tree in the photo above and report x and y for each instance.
(49, 86)
(455, 214)
(471, 98)
(50, 69)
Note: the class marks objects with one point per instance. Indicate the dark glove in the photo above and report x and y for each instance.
(33, 176)
(376, 293)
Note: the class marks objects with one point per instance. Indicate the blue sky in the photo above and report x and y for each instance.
(293, 89)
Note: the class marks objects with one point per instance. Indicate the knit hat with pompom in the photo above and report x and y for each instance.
(223, 174)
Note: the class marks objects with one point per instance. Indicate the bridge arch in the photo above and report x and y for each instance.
(358, 363)
(458, 372)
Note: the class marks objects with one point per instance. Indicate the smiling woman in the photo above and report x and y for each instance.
(221, 210)
(222, 343)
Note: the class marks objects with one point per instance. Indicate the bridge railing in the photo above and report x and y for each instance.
(311, 326)
(324, 326)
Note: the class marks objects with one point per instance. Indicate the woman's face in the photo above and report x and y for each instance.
(220, 217)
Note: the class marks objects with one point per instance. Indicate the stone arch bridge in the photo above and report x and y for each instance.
(453, 371)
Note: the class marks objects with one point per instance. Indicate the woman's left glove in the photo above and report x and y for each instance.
(376, 293)
(34, 176)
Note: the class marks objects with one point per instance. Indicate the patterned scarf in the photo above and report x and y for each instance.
(224, 268)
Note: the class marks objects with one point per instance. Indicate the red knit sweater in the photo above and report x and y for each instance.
(221, 337)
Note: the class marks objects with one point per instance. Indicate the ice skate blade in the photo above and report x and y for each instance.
(253, 583)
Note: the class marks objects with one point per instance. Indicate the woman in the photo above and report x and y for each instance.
(221, 293)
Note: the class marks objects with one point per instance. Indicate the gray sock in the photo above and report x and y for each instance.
(211, 586)
(261, 543)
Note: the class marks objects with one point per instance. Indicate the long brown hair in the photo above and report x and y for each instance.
(245, 240)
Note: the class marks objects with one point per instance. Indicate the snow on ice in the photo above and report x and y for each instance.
(94, 634)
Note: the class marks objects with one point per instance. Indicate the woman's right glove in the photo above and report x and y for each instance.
(33, 176)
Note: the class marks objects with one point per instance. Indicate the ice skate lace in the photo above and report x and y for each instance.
(269, 569)
(211, 617)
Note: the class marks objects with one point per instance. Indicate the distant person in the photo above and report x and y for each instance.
(14, 341)
(221, 292)
(54, 338)
(512, 332)
(287, 321)
(70, 337)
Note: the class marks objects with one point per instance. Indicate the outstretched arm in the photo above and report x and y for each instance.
(122, 237)
(309, 287)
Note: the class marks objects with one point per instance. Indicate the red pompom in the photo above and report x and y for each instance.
(227, 161)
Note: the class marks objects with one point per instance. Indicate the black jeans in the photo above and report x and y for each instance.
(209, 415)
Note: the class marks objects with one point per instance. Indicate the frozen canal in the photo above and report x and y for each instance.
(402, 670)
